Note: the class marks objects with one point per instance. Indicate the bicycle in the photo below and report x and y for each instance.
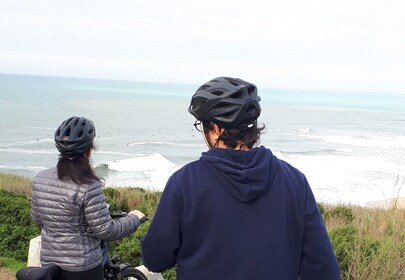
(113, 270)
(117, 271)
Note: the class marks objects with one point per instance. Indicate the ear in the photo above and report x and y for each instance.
(217, 131)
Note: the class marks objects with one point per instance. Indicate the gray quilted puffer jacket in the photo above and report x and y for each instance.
(73, 219)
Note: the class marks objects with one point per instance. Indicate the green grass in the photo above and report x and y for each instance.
(369, 243)
(11, 264)
(127, 199)
(15, 184)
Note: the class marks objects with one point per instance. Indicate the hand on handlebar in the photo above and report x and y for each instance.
(141, 216)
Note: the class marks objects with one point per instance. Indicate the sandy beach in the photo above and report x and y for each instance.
(388, 203)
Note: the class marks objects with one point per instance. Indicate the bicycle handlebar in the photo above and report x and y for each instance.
(123, 214)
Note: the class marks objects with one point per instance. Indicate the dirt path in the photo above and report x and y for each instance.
(6, 275)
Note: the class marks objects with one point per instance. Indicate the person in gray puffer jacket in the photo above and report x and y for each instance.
(69, 206)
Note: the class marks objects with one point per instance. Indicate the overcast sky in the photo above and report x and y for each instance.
(354, 45)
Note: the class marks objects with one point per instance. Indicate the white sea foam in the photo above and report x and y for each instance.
(316, 152)
(176, 144)
(26, 143)
(366, 140)
(348, 150)
(34, 169)
(305, 130)
(278, 154)
(42, 127)
(348, 179)
(159, 178)
(116, 153)
(149, 180)
(149, 172)
(28, 151)
(139, 164)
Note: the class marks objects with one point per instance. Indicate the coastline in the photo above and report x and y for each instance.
(387, 203)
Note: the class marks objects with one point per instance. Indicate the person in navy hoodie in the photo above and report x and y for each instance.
(238, 212)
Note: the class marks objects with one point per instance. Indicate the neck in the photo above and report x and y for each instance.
(240, 147)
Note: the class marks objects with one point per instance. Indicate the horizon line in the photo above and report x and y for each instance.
(197, 85)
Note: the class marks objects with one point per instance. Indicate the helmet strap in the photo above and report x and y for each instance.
(205, 136)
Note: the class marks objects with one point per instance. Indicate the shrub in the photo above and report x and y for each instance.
(16, 227)
(126, 199)
(343, 240)
(369, 243)
(342, 213)
(321, 209)
(129, 248)
(111, 197)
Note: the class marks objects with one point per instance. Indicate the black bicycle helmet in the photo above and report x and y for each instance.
(74, 136)
(228, 102)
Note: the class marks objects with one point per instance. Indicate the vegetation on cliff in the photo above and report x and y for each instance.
(369, 243)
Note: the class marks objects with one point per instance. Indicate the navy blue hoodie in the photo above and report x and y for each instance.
(239, 215)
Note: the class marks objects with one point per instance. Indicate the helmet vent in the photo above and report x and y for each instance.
(237, 95)
(251, 90)
(67, 133)
(228, 115)
(234, 83)
(77, 120)
(252, 110)
(80, 134)
(217, 92)
(203, 87)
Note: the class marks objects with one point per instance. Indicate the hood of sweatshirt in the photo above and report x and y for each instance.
(245, 174)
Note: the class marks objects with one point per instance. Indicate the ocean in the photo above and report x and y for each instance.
(351, 146)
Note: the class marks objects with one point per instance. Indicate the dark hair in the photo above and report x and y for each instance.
(244, 136)
(76, 168)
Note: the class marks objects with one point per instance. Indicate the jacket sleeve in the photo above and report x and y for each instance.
(162, 242)
(34, 209)
(99, 219)
(318, 260)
